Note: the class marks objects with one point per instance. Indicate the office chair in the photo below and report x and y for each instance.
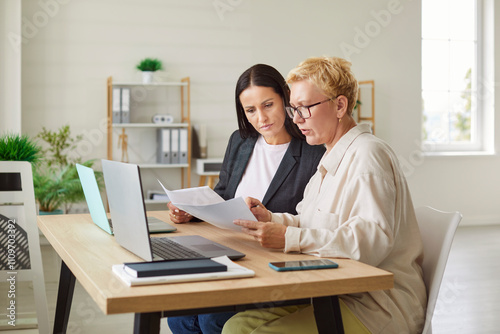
(437, 229)
(17, 204)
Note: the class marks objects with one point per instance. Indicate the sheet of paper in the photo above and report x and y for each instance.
(193, 196)
(202, 203)
(221, 214)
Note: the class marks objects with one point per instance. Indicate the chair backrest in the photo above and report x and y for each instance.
(17, 208)
(437, 229)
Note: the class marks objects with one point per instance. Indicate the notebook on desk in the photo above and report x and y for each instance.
(96, 206)
(126, 205)
(234, 270)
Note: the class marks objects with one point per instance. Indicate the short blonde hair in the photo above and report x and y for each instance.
(331, 75)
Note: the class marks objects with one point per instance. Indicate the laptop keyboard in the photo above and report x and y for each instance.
(171, 250)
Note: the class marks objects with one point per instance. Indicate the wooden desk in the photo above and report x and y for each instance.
(88, 253)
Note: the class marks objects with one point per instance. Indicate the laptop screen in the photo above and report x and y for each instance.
(93, 197)
(126, 205)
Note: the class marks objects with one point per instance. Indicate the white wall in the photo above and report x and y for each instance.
(10, 66)
(68, 57)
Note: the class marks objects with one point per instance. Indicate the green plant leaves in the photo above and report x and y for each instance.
(60, 144)
(149, 64)
(56, 180)
(14, 147)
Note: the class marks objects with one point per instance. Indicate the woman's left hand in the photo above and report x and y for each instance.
(269, 234)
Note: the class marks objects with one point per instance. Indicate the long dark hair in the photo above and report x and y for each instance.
(263, 76)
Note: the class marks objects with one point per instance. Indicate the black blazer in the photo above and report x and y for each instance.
(287, 187)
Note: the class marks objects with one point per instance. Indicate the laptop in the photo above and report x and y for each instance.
(126, 205)
(96, 206)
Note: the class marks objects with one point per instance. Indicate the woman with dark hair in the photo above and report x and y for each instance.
(267, 158)
(261, 75)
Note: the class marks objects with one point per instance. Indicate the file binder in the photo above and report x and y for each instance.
(117, 105)
(174, 145)
(183, 146)
(163, 155)
(125, 105)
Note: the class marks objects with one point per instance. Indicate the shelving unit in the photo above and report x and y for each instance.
(366, 94)
(185, 122)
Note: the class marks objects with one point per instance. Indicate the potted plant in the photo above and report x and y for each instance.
(15, 147)
(56, 181)
(52, 188)
(148, 66)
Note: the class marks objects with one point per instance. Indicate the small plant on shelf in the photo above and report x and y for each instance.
(149, 65)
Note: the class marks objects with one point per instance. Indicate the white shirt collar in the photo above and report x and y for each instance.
(331, 161)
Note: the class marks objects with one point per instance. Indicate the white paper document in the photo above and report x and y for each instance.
(234, 270)
(207, 205)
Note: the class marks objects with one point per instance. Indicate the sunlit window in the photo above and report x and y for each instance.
(451, 54)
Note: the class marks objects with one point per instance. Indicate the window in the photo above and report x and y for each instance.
(454, 102)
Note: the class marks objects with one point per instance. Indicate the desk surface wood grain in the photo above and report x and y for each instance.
(90, 252)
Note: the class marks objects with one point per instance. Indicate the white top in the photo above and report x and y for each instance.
(260, 170)
(358, 206)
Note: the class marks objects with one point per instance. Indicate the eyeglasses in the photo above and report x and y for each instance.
(302, 110)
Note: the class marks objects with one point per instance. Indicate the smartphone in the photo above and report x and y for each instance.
(303, 265)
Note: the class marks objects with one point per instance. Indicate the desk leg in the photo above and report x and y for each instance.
(327, 315)
(147, 323)
(64, 299)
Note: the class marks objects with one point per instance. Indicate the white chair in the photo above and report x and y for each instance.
(17, 201)
(437, 229)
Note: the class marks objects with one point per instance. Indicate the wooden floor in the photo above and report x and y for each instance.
(469, 300)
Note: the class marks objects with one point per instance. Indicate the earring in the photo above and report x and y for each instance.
(340, 120)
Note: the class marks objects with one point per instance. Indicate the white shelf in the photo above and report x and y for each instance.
(171, 83)
(150, 125)
(153, 201)
(208, 173)
(163, 165)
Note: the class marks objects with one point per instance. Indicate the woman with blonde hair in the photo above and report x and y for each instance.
(356, 206)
